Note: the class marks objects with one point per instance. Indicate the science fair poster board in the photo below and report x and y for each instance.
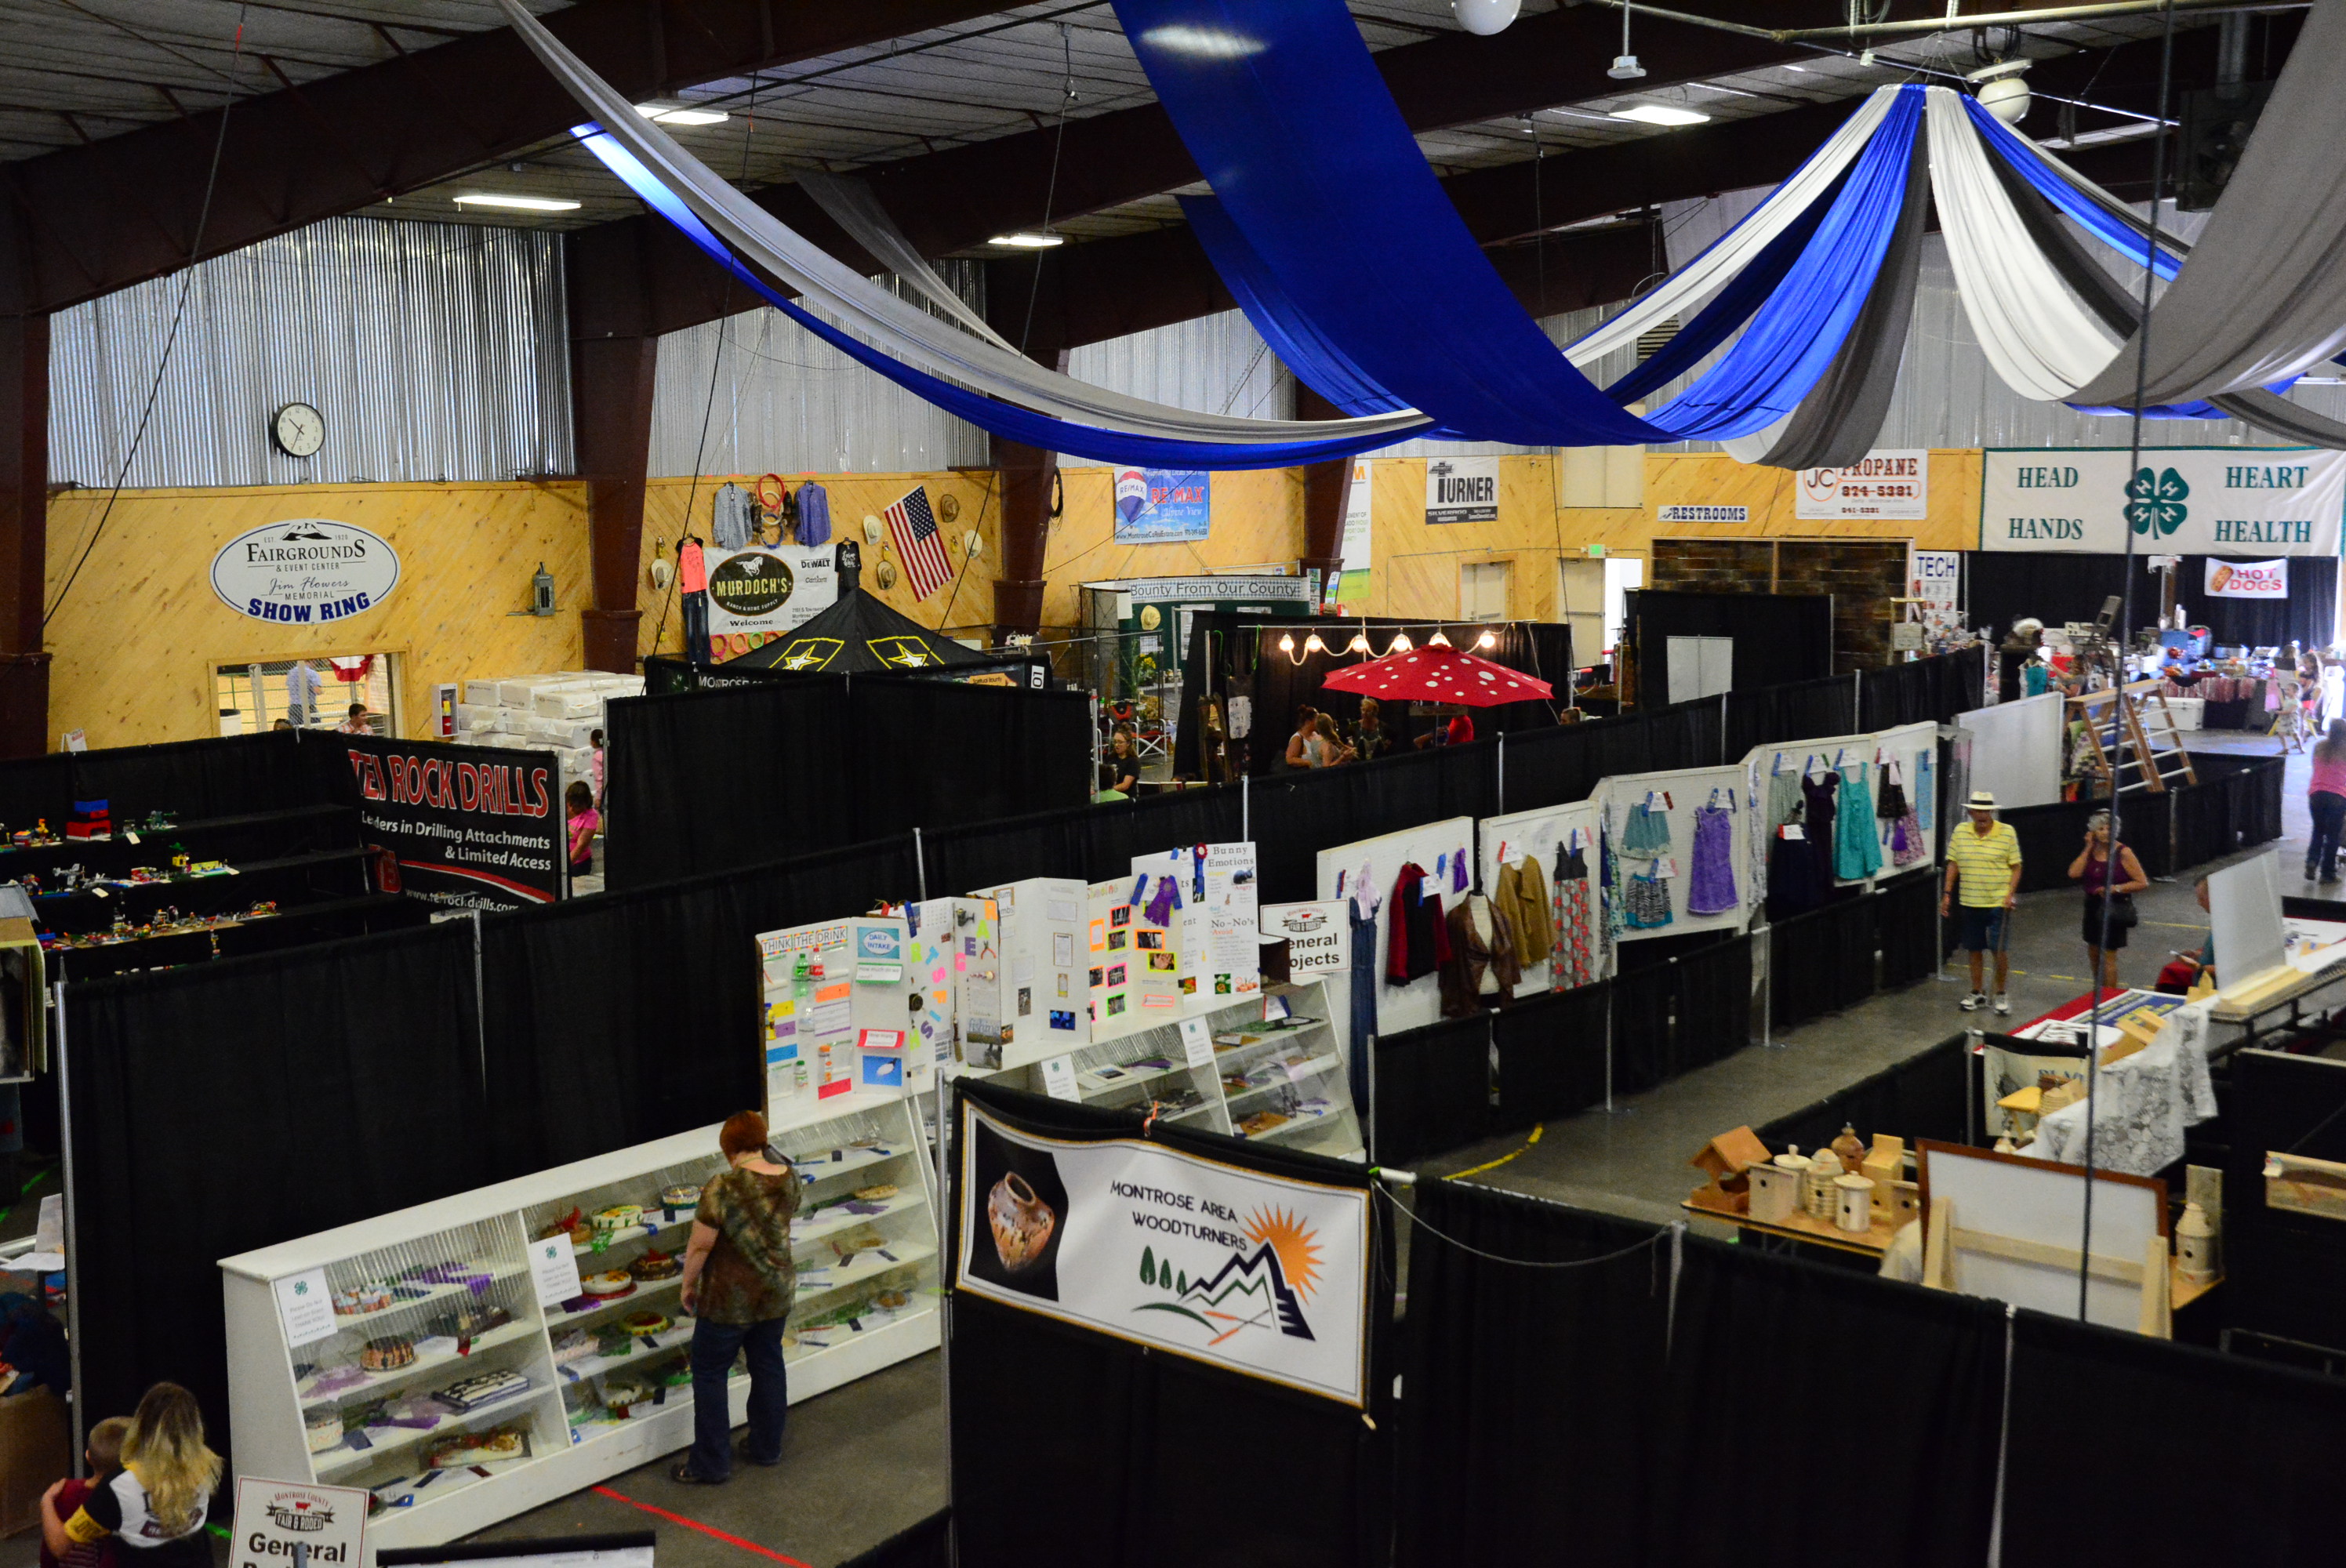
(1046, 996)
(839, 1032)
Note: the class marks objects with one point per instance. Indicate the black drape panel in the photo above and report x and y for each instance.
(2143, 827)
(1851, 922)
(2050, 837)
(231, 1106)
(1925, 1096)
(1906, 925)
(990, 854)
(1801, 954)
(2307, 614)
(2284, 1272)
(2109, 1412)
(1900, 694)
(620, 1019)
(1815, 708)
(1807, 1350)
(2005, 586)
(1529, 1393)
(1642, 1053)
(1013, 750)
(2203, 821)
(928, 1545)
(1433, 1089)
(1551, 1057)
(736, 777)
(1779, 638)
(1755, 717)
(219, 777)
(1714, 1004)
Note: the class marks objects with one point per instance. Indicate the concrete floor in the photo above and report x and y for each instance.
(867, 1460)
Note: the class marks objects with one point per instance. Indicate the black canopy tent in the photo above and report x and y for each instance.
(859, 635)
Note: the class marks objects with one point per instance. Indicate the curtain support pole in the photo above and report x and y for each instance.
(920, 864)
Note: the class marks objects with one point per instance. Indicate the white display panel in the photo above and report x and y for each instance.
(1547, 835)
(2032, 1216)
(2017, 750)
(1045, 994)
(1680, 796)
(597, 1398)
(1914, 748)
(1378, 863)
(2244, 918)
(842, 1008)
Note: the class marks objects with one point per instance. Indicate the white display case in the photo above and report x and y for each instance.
(454, 1291)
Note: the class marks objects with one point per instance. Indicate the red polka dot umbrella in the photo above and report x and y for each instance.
(1438, 673)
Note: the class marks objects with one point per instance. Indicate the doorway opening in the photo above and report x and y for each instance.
(254, 696)
(1484, 589)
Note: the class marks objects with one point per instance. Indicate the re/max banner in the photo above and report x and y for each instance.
(480, 827)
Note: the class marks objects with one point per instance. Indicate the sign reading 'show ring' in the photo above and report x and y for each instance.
(305, 571)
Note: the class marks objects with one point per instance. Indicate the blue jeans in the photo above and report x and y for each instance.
(714, 1346)
(2329, 822)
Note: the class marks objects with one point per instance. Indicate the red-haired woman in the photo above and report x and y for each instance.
(739, 1282)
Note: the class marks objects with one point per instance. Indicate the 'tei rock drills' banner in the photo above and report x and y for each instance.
(479, 827)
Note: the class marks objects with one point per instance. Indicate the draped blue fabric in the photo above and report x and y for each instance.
(1284, 111)
(1003, 418)
(1301, 347)
(1727, 310)
(2096, 220)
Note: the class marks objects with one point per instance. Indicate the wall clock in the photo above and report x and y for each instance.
(298, 429)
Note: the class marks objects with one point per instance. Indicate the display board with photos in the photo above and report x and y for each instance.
(844, 1004)
(1046, 991)
(470, 1359)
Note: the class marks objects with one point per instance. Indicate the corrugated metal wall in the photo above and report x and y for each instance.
(1214, 364)
(756, 393)
(436, 351)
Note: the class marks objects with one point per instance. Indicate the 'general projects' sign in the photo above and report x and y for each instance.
(2197, 501)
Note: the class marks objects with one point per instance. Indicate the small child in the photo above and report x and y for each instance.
(105, 1457)
(584, 823)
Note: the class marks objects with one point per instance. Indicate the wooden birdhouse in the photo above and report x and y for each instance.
(1725, 1159)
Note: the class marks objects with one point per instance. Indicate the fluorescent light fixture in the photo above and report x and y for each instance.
(1661, 114)
(1202, 43)
(1028, 242)
(517, 203)
(682, 114)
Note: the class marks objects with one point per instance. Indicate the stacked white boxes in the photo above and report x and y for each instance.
(557, 713)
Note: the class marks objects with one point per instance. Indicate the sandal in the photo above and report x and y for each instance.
(686, 1475)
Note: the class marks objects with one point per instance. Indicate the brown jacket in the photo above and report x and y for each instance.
(1522, 897)
(1462, 976)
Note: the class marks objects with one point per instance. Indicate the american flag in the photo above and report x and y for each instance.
(915, 534)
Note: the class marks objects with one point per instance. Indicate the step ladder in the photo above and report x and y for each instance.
(2131, 742)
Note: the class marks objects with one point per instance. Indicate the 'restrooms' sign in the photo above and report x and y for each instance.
(2192, 501)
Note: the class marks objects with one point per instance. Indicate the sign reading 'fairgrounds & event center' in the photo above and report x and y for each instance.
(2192, 501)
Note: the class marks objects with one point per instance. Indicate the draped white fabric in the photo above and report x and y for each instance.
(903, 328)
(2038, 336)
(1685, 291)
(851, 204)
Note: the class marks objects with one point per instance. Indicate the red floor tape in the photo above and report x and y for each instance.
(704, 1528)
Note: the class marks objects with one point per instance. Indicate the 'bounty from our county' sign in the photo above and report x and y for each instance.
(2193, 501)
(305, 571)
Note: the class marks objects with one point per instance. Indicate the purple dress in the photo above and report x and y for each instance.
(1710, 888)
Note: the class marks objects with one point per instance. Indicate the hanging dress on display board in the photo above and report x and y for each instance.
(1710, 885)
(1648, 835)
(1364, 998)
(1856, 852)
(1648, 895)
(1818, 797)
(1795, 885)
(1573, 963)
(1900, 825)
(1783, 799)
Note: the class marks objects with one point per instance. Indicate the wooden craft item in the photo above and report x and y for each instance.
(1775, 1192)
(1725, 1159)
(2158, 1316)
(1817, 1195)
(1848, 1149)
(2195, 1247)
(1884, 1164)
(2135, 1033)
(2070, 1091)
(1905, 1202)
(2203, 987)
(1853, 1204)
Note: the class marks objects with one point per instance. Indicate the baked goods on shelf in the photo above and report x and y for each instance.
(460, 1449)
(1261, 1122)
(610, 1282)
(618, 1217)
(388, 1354)
(891, 1300)
(656, 1266)
(647, 1322)
(324, 1429)
(362, 1298)
(482, 1388)
(878, 1192)
(683, 1195)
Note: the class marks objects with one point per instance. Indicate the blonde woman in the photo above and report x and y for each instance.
(151, 1506)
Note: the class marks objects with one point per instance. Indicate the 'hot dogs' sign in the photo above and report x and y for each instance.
(2248, 579)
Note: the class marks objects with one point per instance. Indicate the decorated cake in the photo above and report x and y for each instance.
(573, 1345)
(619, 1393)
(656, 1266)
(362, 1298)
(324, 1429)
(388, 1354)
(460, 1449)
(619, 1217)
(480, 1389)
(879, 1192)
(647, 1322)
(610, 1282)
(684, 1195)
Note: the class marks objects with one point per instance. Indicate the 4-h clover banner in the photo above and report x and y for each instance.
(1259, 1274)
(2191, 500)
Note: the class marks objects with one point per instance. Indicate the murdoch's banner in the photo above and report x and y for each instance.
(2187, 500)
(1254, 1273)
(479, 827)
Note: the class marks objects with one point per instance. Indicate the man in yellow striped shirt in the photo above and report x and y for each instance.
(1983, 872)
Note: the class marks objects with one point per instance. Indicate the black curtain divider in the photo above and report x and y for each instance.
(616, 1020)
(226, 1106)
(928, 1545)
(1807, 1352)
(2050, 838)
(1642, 1056)
(744, 775)
(2202, 814)
(1647, 952)
(2107, 1412)
(1850, 923)
(218, 777)
(1907, 926)
(1531, 1393)
(1432, 1089)
(1713, 1005)
(1754, 719)
(1927, 1095)
(1151, 1434)
(1815, 708)
(1801, 952)
(1779, 638)
(2006, 585)
(1551, 1054)
(2284, 1271)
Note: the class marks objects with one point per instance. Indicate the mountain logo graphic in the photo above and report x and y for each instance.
(1264, 1289)
(2155, 506)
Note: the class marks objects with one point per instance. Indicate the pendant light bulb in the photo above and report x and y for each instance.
(1359, 645)
(1312, 645)
(1400, 644)
(1437, 640)
(1484, 17)
(1487, 640)
(1287, 642)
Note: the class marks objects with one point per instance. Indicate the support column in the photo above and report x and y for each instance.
(611, 399)
(1028, 481)
(1327, 490)
(23, 534)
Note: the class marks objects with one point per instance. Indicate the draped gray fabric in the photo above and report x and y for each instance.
(853, 205)
(2263, 297)
(1836, 423)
